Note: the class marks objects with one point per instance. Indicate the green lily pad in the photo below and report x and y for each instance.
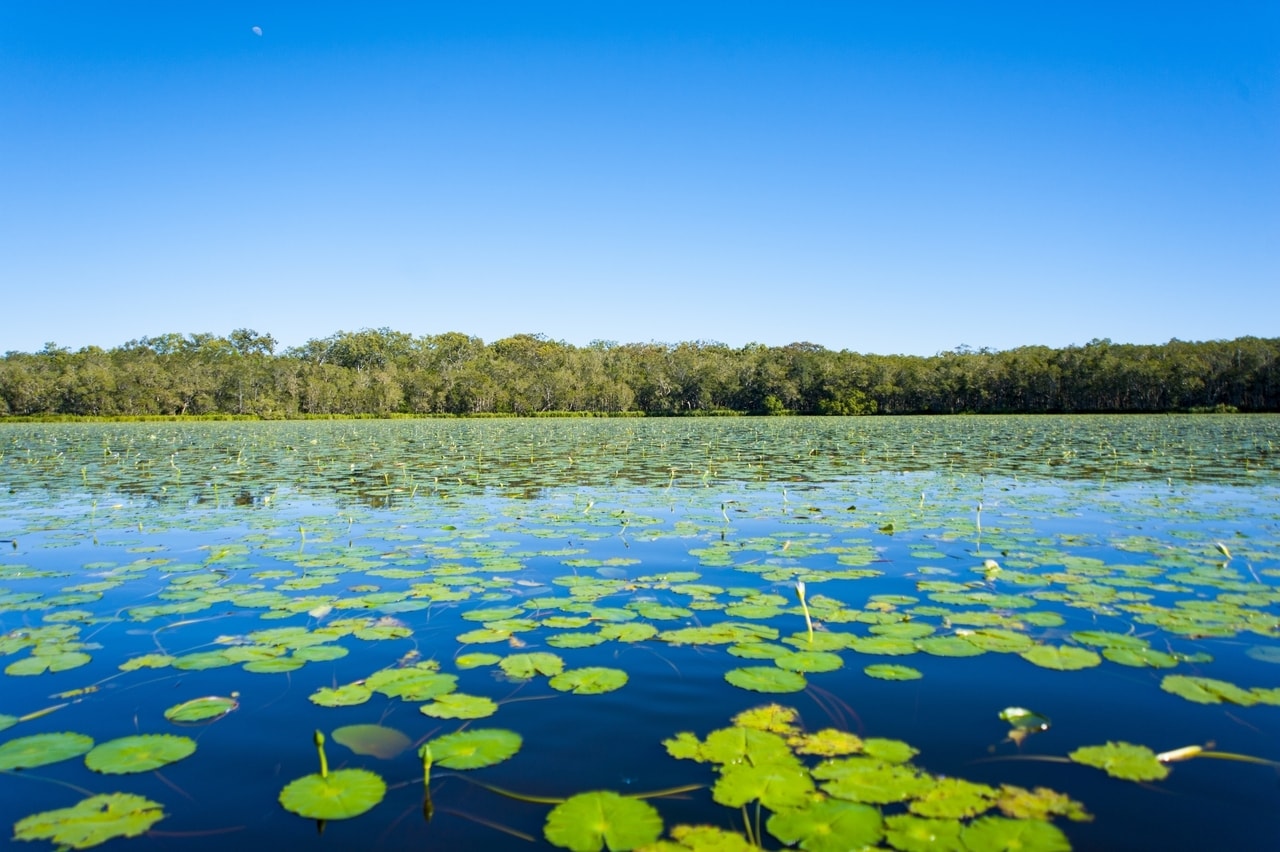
(525, 666)
(860, 779)
(1206, 690)
(829, 826)
(205, 709)
(374, 740)
(7, 721)
(953, 798)
(460, 706)
(887, 671)
(705, 838)
(769, 717)
(910, 833)
(475, 748)
(949, 646)
(343, 696)
(776, 784)
(91, 821)
(589, 822)
(765, 679)
(829, 742)
(475, 660)
(1140, 657)
(42, 749)
(591, 680)
(893, 646)
(341, 794)
(39, 664)
(1122, 760)
(1061, 658)
(808, 661)
(420, 683)
(139, 753)
(575, 640)
(999, 834)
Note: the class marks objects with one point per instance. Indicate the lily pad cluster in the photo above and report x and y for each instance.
(830, 790)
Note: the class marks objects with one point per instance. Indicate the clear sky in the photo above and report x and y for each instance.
(884, 177)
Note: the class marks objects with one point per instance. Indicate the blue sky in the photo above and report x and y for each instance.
(881, 177)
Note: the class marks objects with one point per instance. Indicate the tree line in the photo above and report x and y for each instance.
(382, 372)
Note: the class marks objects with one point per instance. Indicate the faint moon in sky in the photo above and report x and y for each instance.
(257, 30)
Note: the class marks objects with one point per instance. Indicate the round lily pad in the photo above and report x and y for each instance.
(831, 825)
(42, 749)
(591, 680)
(343, 696)
(475, 748)
(911, 833)
(374, 740)
(342, 794)
(808, 661)
(210, 708)
(589, 822)
(1122, 760)
(765, 679)
(139, 753)
(91, 821)
(886, 671)
(459, 706)
(1064, 658)
(998, 834)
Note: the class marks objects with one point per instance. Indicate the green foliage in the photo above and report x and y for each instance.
(589, 822)
(386, 373)
(139, 753)
(91, 821)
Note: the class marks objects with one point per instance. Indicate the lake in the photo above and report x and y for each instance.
(1015, 633)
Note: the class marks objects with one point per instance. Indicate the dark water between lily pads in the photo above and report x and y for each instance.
(559, 608)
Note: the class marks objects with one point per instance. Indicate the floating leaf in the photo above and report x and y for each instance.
(475, 748)
(139, 753)
(910, 833)
(589, 822)
(7, 721)
(886, 671)
(1206, 690)
(776, 785)
(828, 742)
(459, 706)
(525, 666)
(475, 660)
(1122, 760)
(952, 798)
(1040, 803)
(828, 826)
(1064, 658)
(91, 821)
(769, 717)
(591, 680)
(38, 664)
(808, 661)
(341, 794)
(999, 834)
(860, 779)
(375, 740)
(949, 646)
(344, 696)
(42, 749)
(765, 679)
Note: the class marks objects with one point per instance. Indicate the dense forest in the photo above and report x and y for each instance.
(382, 372)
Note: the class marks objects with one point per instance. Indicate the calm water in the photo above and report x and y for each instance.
(170, 549)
